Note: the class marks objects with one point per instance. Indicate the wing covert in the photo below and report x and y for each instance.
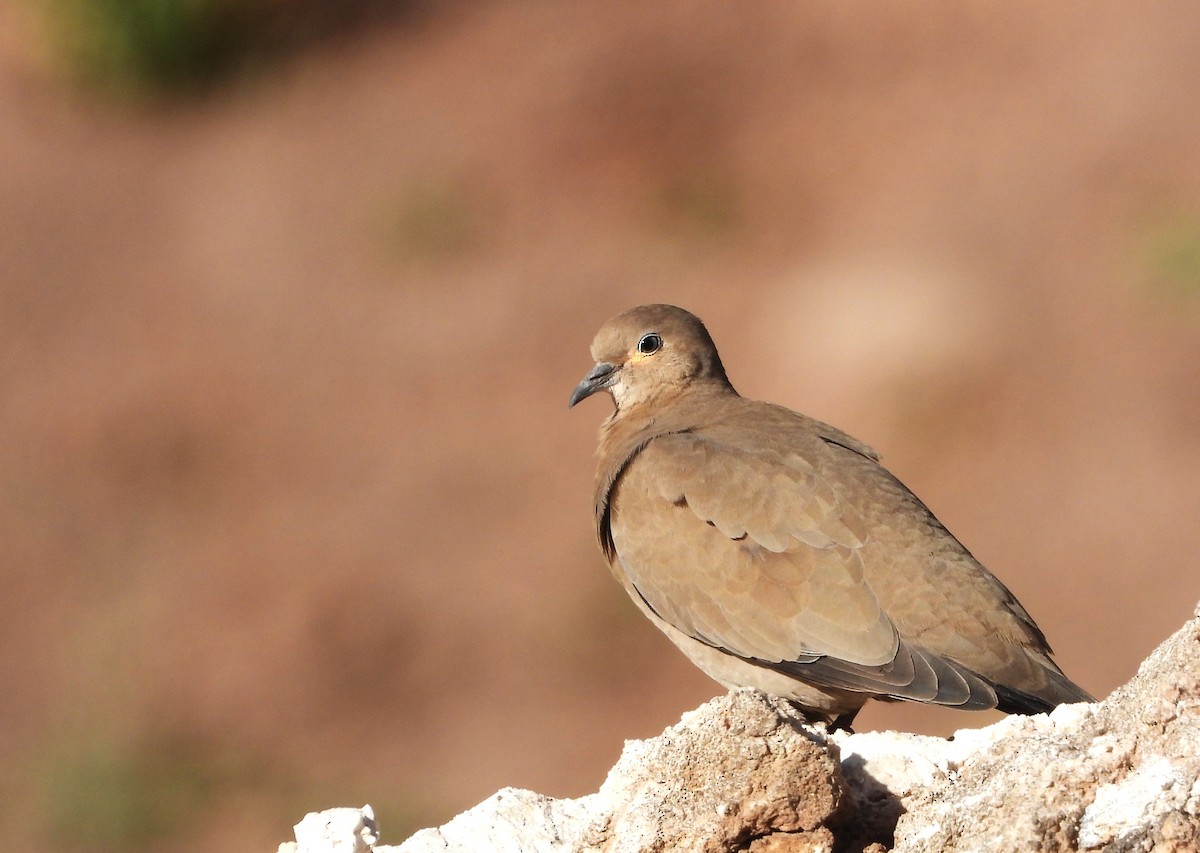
(751, 552)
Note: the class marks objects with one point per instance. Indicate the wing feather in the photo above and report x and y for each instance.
(753, 552)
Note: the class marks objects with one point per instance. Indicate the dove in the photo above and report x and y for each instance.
(778, 553)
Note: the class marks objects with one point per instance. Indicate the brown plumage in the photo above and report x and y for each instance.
(777, 553)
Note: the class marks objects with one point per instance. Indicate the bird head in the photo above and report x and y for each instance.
(650, 352)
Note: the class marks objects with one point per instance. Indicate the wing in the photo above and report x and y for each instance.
(747, 551)
(750, 550)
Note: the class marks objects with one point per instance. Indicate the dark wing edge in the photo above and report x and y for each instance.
(915, 675)
(919, 675)
(1059, 690)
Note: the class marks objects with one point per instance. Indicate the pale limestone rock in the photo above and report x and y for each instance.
(1118, 775)
(510, 821)
(335, 831)
(740, 768)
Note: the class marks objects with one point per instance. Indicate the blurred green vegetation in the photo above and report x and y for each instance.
(97, 791)
(101, 794)
(169, 47)
(1172, 256)
(162, 45)
(701, 201)
(437, 219)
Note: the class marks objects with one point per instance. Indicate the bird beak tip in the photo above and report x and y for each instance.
(598, 378)
(582, 391)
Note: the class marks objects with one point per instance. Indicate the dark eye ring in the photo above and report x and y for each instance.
(650, 344)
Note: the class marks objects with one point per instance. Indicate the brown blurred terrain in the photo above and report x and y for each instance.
(293, 513)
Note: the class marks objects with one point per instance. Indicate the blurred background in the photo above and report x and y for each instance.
(293, 292)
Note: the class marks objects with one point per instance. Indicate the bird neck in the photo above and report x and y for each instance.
(673, 410)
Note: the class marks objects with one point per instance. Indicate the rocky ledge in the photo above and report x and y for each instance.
(746, 772)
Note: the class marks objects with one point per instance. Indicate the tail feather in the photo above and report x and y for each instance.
(1059, 690)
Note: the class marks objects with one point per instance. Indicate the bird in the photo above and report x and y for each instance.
(777, 553)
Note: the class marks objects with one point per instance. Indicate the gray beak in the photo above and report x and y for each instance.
(598, 378)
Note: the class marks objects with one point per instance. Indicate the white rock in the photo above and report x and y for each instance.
(509, 821)
(1153, 788)
(342, 830)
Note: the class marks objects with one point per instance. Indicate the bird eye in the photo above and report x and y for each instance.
(649, 344)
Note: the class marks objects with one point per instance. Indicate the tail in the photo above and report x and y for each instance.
(1058, 690)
